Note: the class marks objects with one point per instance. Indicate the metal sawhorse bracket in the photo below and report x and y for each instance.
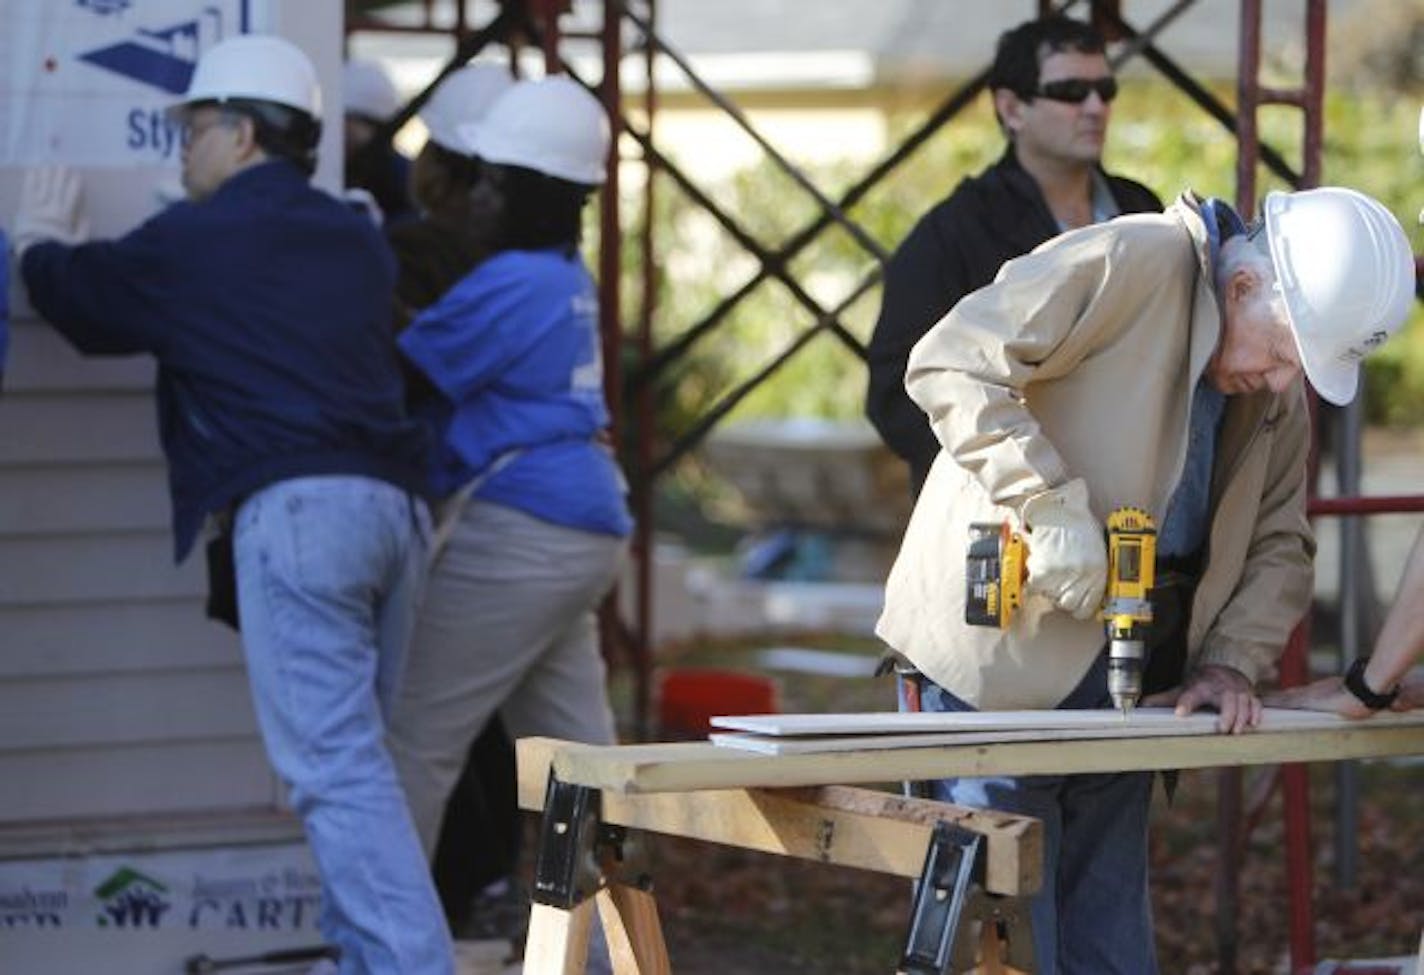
(957, 926)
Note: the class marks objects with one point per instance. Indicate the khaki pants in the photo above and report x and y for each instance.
(508, 624)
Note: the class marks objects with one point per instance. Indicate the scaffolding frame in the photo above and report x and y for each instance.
(520, 22)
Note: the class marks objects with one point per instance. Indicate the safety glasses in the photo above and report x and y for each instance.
(1077, 90)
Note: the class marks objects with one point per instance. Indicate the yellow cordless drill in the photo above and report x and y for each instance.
(1127, 601)
(997, 567)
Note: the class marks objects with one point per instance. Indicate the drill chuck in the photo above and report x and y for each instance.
(1125, 660)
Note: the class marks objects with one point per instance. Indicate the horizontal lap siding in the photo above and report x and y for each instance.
(117, 697)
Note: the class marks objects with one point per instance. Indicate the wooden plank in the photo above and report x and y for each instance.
(684, 767)
(848, 827)
(557, 943)
(633, 932)
(49, 500)
(899, 722)
(113, 637)
(107, 710)
(95, 568)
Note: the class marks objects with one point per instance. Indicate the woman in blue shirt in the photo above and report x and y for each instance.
(536, 523)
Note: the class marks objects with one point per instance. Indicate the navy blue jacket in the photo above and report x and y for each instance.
(267, 306)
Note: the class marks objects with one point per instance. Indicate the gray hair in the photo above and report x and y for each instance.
(1249, 252)
(1242, 252)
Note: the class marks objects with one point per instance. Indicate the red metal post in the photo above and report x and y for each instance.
(610, 265)
(546, 14)
(642, 495)
(1248, 87)
(1310, 97)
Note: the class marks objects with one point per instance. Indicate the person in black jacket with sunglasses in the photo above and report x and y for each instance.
(1052, 90)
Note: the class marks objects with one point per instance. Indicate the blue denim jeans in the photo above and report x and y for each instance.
(329, 570)
(1093, 915)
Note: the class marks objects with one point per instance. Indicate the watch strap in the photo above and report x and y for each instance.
(1355, 684)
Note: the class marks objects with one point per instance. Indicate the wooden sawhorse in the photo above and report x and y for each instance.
(974, 866)
(796, 805)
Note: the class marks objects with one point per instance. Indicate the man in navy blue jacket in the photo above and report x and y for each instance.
(266, 304)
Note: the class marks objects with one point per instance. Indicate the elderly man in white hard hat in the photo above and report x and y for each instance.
(1386, 679)
(266, 304)
(1152, 361)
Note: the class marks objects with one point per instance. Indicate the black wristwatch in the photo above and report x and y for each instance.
(1355, 684)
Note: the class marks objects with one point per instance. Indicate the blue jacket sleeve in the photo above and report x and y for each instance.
(468, 338)
(106, 297)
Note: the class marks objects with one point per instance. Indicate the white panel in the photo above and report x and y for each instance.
(108, 710)
(49, 569)
(68, 500)
(39, 429)
(40, 359)
(116, 638)
(1048, 724)
(132, 780)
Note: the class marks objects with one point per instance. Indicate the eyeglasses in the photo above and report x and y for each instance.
(195, 130)
(1077, 90)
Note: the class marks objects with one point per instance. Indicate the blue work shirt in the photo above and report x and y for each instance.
(268, 308)
(514, 350)
(1184, 529)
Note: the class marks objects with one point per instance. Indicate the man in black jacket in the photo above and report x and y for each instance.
(1052, 87)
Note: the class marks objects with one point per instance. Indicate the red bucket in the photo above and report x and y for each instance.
(689, 698)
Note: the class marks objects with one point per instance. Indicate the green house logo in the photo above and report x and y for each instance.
(129, 899)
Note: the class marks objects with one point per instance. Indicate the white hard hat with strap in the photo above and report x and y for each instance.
(461, 100)
(367, 90)
(256, 67)
(1346, 271)
(553, 126)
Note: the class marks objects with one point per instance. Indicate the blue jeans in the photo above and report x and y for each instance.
(329, 570)
(1093, 915)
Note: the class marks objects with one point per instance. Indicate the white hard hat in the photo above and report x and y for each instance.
(367, 90)
(1346, 271)
(462, 100)
(552, 125)
(259, 67)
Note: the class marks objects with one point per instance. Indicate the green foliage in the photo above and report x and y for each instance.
(1159, 136)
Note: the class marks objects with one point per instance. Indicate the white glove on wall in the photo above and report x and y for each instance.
(49, 208)
(1067, 557)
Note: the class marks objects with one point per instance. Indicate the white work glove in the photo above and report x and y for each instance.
(49, 209)
(1067, 557)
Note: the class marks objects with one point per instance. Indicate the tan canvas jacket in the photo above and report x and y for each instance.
(1079, 361)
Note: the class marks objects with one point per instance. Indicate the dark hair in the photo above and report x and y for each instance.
(1022, 48)
(441, 180)
(279, 130)
(538, 211)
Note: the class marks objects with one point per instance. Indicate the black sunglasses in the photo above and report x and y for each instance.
(1077, 90)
